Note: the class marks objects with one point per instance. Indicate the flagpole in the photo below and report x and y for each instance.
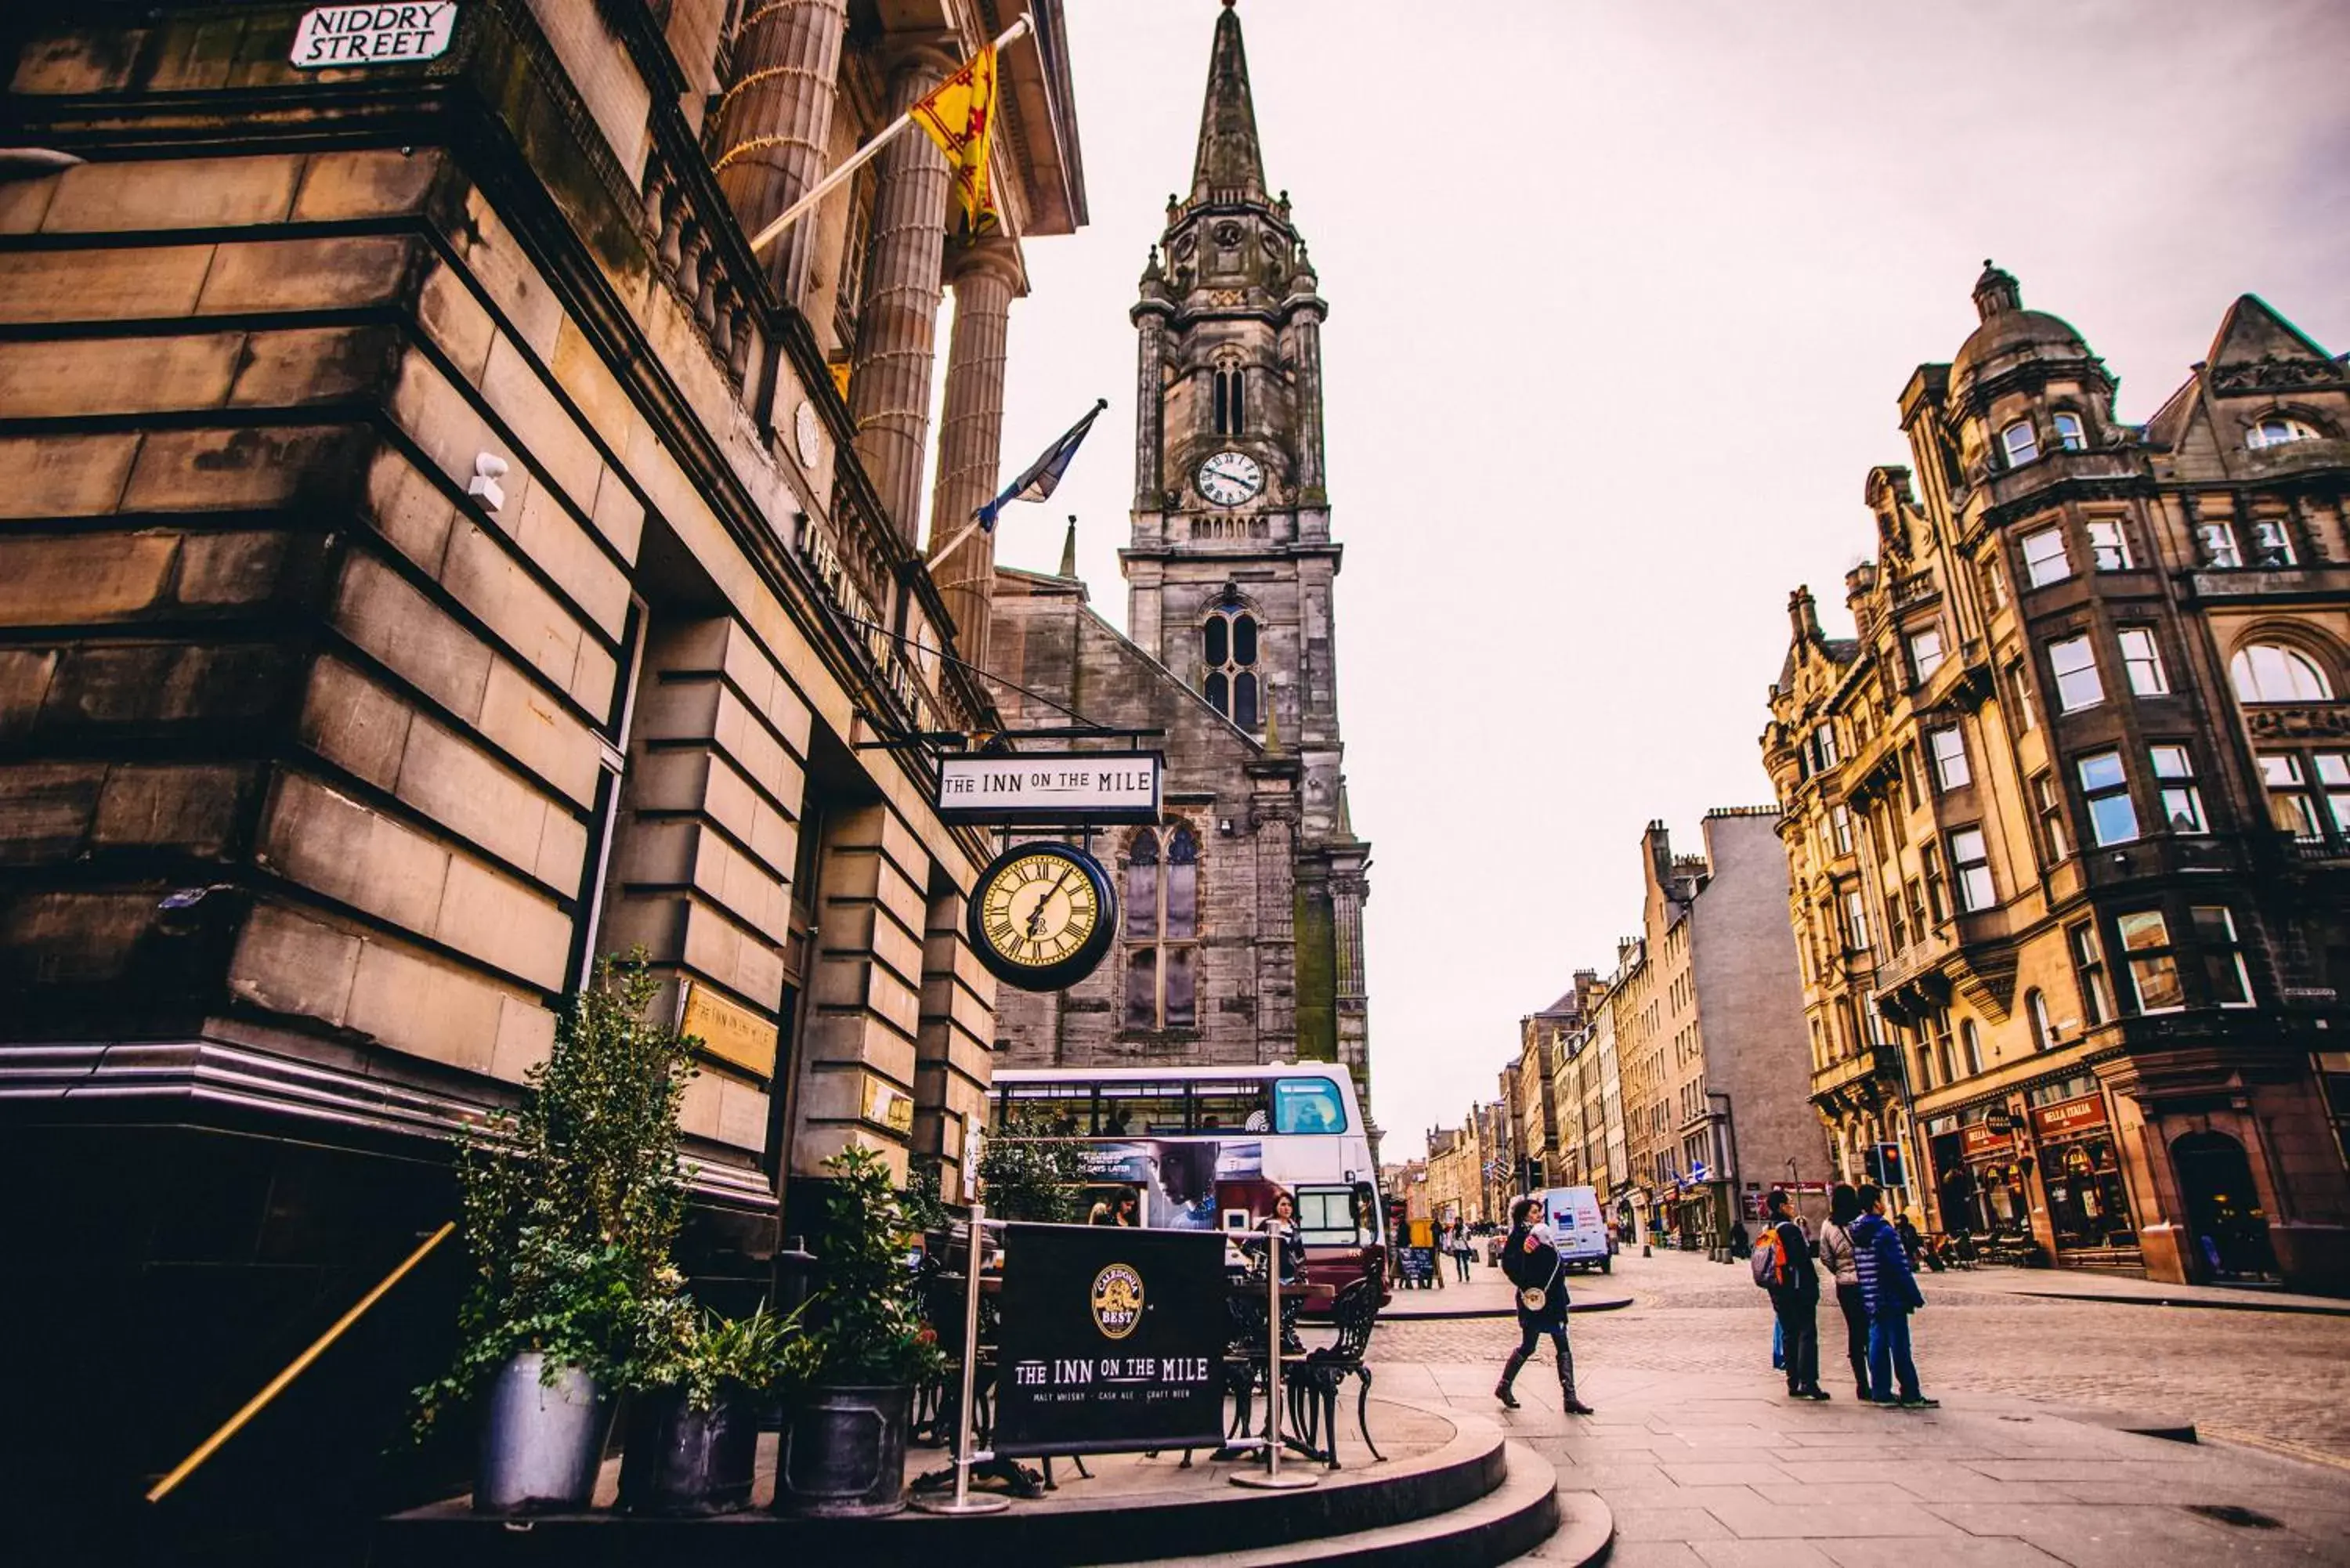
(947, 549)
(863, 156)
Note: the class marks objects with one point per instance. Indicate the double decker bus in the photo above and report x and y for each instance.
(1207, 1148)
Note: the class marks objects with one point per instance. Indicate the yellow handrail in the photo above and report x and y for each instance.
(301, 1363)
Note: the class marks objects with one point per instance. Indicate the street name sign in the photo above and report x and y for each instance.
(374, 34)
(1063, 789)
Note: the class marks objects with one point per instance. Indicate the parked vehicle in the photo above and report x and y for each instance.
(1573, 1215)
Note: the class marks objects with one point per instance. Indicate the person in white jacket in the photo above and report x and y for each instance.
(1836, 1257)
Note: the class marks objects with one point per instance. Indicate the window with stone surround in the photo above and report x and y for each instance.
(2104, 789)
(2069, 433)
(2074, 664)
(2219, 540)
(1229, 649)
(2019, 443)
(2271, 672)
(2108, 544)
(2142, 659)
(2044, 560)
(1162, 900)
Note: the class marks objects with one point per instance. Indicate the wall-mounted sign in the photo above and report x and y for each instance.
(728, 1030)
(2070, 1116)
(888, 1105)
(374, 34)
(1977, 1141)
(1066, 787)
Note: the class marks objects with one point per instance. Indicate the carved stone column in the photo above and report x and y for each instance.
(774, 121)
(890, 379)
(987, 275)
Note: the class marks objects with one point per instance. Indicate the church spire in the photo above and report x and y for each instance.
(1229, 167)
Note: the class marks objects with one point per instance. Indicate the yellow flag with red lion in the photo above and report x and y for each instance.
(959, 114)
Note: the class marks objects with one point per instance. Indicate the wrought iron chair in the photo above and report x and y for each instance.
(1313, 1384)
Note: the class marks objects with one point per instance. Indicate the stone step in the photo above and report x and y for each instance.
(1524, 1512)
(1469, 1497)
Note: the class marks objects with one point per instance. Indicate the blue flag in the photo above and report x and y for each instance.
(1042, 476)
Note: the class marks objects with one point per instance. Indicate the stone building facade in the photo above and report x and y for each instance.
(2068, 819)
(437, 551)
(1242, 913)
(1721, 1027)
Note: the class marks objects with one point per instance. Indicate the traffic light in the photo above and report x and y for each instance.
(1883, 1162)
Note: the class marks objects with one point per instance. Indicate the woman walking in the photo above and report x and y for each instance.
(1458, 1246)
(1836, 1256)
(1530, 1258)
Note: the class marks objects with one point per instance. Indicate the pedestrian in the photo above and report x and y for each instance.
(1836, 1257)
(1127, 1211)
(1098, 1215)
(1741, 1244)
(1891, 1289)
(1794, 1298)
(1911, 1242)
(1530, 1258)
(1461, 1250)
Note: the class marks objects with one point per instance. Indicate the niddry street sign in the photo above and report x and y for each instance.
(1063, 789)
(374, 34)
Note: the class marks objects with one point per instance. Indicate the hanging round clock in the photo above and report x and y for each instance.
(1041, 916)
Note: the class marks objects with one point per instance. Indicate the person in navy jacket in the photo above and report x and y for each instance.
(1891, 1293)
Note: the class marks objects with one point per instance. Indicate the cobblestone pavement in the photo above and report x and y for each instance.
(2275, 1381)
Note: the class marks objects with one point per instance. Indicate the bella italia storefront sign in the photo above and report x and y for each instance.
(374, 34)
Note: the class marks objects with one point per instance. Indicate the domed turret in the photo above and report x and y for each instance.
(2011, 335)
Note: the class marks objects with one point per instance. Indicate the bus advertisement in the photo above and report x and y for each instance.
(1209, 1148)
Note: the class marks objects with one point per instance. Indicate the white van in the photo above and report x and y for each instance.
(1573, 1215)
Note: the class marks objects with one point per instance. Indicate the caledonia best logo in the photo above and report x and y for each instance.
(1117, 1301)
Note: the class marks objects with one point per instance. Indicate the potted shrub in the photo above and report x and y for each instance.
(692, 1433)
(570, 1205)
(843, 1451)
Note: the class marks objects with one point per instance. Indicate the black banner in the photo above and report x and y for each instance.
(1111, 1340)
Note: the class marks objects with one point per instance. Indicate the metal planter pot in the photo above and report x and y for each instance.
(541, 1441)
(844, 1454)
(681, 1463)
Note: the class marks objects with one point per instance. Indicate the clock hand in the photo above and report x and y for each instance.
(1036, 915)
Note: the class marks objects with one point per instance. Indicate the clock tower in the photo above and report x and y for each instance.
(1231, 567)
(1230, 570)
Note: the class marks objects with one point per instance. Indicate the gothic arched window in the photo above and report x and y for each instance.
(1228, 649)
(1163, 928)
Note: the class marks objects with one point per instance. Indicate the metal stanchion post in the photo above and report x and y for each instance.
(963, 1501)
(1273, 1480)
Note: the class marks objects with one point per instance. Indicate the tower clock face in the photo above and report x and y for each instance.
(1230, 478)
(1041, 916)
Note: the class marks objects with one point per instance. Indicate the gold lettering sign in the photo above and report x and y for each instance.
(730, 1030)
(888, 1105)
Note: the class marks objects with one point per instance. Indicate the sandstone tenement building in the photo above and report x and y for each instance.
(2068, 818)
(436, 550)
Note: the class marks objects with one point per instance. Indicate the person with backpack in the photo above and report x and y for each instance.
(1891, 1291)
(1531, 1262)
(1783, 1266)
(1837, 1257)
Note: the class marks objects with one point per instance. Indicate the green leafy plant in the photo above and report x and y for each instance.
(571, 1202)
(1038, 1178)
(705, 1354)
(867, 1326)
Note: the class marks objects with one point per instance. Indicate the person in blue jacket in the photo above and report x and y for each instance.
(1890, 1292)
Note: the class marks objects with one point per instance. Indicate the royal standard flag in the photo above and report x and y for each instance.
(959, 114)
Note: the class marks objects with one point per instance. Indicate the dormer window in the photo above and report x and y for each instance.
(2277, 430)
(2069, 433)
(2021, 444)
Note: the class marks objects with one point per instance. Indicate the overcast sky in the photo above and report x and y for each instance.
(1621, 296)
